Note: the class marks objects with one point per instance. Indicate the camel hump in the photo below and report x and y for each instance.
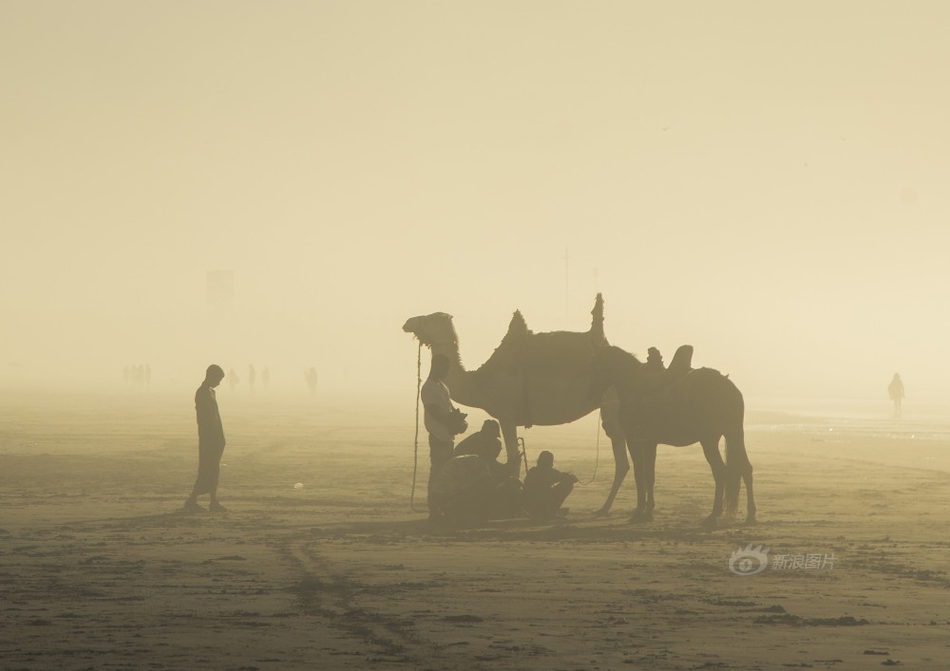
(517, 322)
(518, 329)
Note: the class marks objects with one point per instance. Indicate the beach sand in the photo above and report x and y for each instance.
(100, 568)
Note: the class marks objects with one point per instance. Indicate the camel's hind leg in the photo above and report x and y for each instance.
(750, 500)
(746, 470)
(738, 468)
(718, 466)
(644, 470)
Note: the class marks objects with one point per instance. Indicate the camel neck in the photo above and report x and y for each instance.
(450, 351)
(459, 381)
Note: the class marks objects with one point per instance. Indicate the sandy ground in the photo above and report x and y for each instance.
(99, 568)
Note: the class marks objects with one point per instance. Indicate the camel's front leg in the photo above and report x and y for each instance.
(718, 467)
(509, 431)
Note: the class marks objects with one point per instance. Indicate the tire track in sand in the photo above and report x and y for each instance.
(334, 596)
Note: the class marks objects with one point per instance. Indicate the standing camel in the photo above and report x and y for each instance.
(694, 406)
(530, 378)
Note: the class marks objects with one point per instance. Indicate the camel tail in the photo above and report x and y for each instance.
(737, 461)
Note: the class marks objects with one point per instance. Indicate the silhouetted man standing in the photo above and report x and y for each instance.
(210, 442)
(442, 419)
(896, 391)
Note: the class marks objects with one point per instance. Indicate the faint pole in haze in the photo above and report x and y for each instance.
(567, 321)
(220, 292)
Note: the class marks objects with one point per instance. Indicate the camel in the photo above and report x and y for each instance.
(678, 407)
(530, 379)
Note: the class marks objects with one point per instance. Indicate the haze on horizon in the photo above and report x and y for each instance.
(765, 182)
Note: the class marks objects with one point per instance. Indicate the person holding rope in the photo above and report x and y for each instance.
(443, 421)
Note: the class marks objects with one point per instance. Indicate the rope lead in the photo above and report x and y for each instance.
(415, 454)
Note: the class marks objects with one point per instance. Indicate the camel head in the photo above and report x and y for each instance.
(434, 329)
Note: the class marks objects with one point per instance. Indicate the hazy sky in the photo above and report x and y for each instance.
(766, 181)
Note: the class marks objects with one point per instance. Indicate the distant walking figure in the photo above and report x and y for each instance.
(210, 442)
(310, 375)
(896, 391)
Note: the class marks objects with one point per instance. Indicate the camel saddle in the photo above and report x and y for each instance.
(662, 391)
(681, 364)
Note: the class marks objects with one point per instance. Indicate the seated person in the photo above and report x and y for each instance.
(545, 488)
(485, 442)
(460, 491)
(475, 488)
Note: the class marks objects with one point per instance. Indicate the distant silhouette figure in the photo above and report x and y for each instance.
(210, 442)
(310, 375)
(701, 406)
(233, 379)
(251, 376)
(896, 392)
(546, 488)
(148, 375)
(265, 377)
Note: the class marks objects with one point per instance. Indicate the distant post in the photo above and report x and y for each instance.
(567, 321)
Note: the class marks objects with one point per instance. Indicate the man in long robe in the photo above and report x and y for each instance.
(443, 421)
(210, 442)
